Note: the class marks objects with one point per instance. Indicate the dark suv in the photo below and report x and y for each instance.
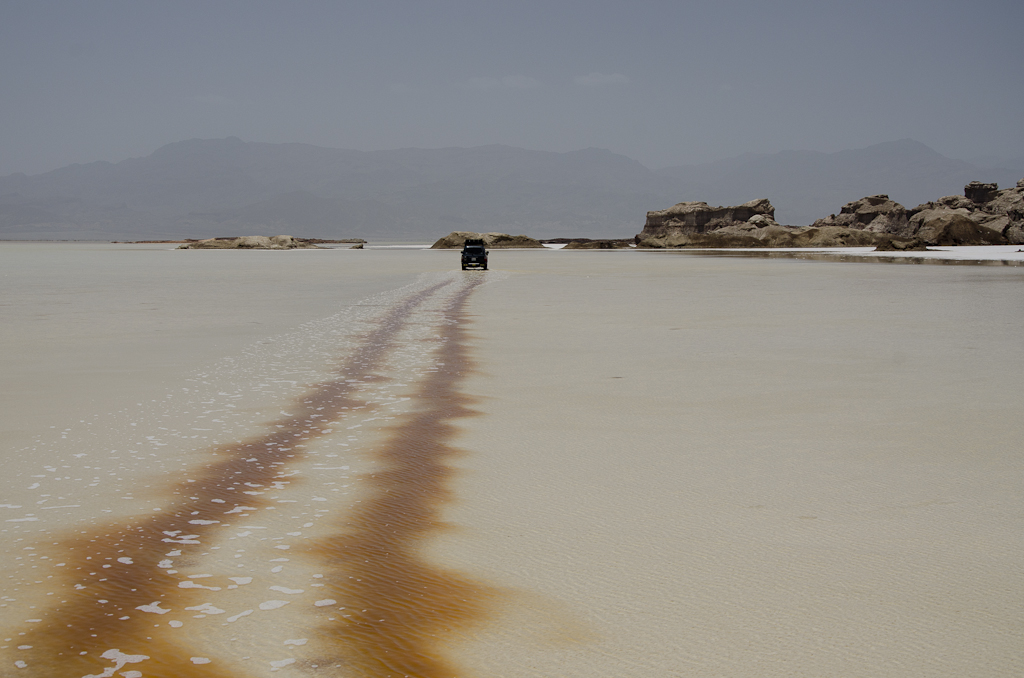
(474, 255)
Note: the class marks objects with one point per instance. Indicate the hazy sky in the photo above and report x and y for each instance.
(663, 82)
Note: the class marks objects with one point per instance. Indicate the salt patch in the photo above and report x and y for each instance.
(325, 602)
(241, 580)
(175, 624)
(153, 607)
(281, 663)
(238, 616)
(206, 608)
(193, 585)
(199, 660)
(297, 641)
(273, 604)
(203, 522)
(120, 659)
(287, 591)
(126, 561)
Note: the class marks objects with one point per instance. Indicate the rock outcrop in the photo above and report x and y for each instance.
(983, 215)
(456, 239)
(694, 224)
(947, 228)
(250, 242)
(875, 213)
(998, 211)
(699, 217)
(980, 193)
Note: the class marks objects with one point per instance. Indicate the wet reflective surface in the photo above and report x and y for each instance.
(382, 609)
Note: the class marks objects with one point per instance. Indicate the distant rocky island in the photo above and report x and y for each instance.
(984, 215)
(456, 239)
(263, 242)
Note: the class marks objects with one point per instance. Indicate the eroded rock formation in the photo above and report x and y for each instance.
(947, 228)
(752, 224)
(983, 215)
(875, 213)
(699, 217)
(456, 239)
(1000, 211)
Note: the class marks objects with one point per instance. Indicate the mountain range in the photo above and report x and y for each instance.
(222, 187)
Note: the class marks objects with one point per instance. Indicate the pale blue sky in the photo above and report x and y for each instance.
(663, 82)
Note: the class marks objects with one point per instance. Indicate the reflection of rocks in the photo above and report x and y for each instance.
(699, 217)
(250, 242)
(875, 213)
(456, 239)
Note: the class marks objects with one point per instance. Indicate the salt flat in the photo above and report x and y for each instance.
(678, 464)
(702, 466)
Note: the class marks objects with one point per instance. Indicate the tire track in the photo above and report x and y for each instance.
(402, 606)
(108, 575)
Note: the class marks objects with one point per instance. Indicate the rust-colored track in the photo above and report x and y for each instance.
(401, 605)
(415, 601)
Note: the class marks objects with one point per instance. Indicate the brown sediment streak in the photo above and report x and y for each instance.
(72, 636)
(398, 606)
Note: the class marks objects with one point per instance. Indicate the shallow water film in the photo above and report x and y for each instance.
(369, 464)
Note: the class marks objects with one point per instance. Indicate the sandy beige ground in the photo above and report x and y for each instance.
(684, 465)
(708, 467)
